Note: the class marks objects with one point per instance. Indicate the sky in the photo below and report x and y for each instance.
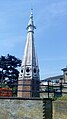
(50, 19)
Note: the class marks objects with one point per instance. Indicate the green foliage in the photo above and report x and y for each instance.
(3, 85)
(8, 71)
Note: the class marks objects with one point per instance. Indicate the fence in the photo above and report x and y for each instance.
(46, 91)
(53, 90)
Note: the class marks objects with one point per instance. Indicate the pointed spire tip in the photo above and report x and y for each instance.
(31, 9)
(31, 26)
(31, 15)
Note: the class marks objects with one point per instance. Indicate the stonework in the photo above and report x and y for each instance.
(25, 109)
(32, 109)
(21, 109)
(29, 72)
(60, 110)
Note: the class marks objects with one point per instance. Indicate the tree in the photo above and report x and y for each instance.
(8, 70)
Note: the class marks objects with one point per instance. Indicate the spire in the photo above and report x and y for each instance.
(29, 72)
(30, 60)
(29, 57)
(31, 27)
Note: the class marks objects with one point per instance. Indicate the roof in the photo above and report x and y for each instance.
(53, 78)
(64, 69)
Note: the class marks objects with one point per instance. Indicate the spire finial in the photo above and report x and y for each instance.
(32, 11)
(31, 26)
(31, 15)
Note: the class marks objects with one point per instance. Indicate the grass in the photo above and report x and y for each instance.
(63, 98)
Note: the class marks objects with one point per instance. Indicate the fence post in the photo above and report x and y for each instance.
(61, 85)
(48, 89)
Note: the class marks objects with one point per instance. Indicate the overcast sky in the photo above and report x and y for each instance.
(50, 18)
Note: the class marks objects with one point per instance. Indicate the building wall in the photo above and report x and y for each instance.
(65, 76)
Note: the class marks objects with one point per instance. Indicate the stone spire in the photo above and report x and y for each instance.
(29, 67)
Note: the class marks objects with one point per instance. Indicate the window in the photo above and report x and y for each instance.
(66, 73)
(34, 70)
(21, 70)
(27, 69)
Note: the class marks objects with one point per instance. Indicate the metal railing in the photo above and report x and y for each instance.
(46, 91)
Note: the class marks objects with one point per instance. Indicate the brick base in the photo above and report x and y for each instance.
(24, 88)
(28, 88)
